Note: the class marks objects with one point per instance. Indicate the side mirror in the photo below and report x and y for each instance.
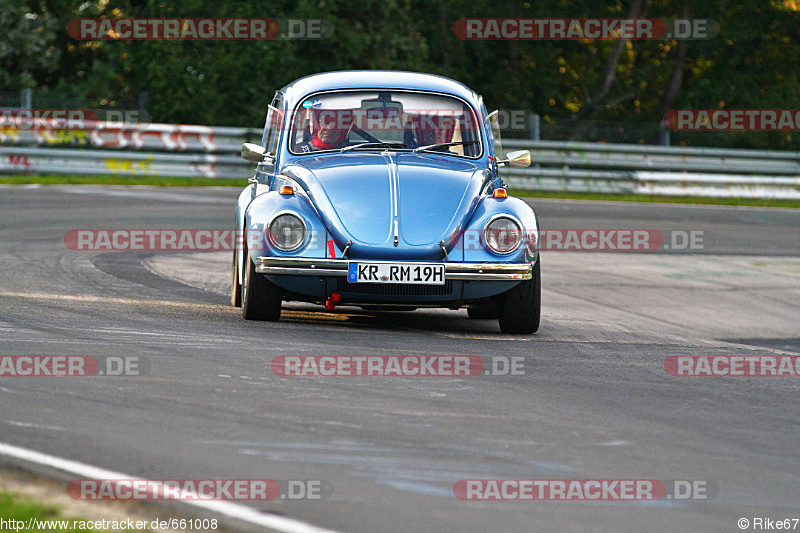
(253, 152)
(519, 159)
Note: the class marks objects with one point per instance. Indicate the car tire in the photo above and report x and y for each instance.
(484, 311)
(261, 299)
(236, 287)
(519, 310)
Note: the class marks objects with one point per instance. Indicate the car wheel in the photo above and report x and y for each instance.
(520, 308)
(236, 287)
(484, 311)
(261, 299)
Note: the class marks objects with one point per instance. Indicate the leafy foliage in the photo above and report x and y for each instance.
(753, 62)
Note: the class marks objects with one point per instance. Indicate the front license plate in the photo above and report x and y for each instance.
(425, 274)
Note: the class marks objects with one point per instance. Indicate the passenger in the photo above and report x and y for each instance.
(438, 133)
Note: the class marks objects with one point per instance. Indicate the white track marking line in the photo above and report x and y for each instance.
(623, 203)
(34, 426)
(102, 299)
(233, 510)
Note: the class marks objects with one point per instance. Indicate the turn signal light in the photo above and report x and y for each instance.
(287, 190)
(500, 193)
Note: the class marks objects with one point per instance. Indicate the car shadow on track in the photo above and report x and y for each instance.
(440, 320)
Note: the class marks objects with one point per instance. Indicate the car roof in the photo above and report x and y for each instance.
(377, 79)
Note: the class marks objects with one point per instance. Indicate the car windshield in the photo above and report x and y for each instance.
(377, 120)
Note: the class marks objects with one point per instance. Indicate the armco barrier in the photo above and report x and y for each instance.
(121, 162)
(117, 136)
(113, 148)
(659, 170)
(206, 151)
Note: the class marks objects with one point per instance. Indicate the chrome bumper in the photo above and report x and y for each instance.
(303, 266)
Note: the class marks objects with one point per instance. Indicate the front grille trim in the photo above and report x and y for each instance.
(393, 289)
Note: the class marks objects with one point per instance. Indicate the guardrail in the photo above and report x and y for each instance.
(125, 163)
(117, 136)
(659, 170)
(103, 148)
(206, 151)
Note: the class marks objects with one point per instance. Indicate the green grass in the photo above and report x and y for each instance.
(655, 199)
(58, 179)
(20, 508)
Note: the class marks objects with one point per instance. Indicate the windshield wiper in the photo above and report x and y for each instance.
(433, 147)
(380, 144)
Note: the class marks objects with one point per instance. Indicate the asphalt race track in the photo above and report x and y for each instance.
(594, 402)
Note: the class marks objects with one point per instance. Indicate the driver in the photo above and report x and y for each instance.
(329, 130)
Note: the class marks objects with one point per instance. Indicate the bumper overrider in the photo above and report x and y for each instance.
(307, 266)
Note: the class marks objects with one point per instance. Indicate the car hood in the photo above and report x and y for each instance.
(360, 196)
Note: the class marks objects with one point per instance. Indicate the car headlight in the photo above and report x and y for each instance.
(502, 235)
(286, 232)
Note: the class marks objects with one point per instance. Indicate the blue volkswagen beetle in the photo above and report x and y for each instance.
(380, 189)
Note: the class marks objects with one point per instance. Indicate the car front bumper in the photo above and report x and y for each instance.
(307, 266)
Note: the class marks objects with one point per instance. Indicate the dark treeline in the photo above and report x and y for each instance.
(754, 62)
